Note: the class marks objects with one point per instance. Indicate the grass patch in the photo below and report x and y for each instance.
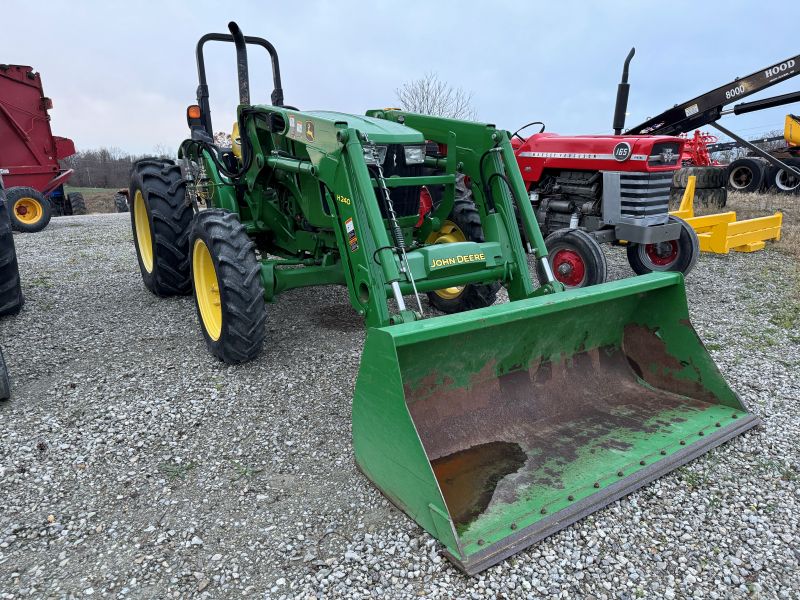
(175, 470)
(243, 471)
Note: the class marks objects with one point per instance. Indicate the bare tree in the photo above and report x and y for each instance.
(164, 151)
(727, 156)
(429, 95)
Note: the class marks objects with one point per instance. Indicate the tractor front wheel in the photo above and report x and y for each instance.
(575, 257)
(464, 224)
(29, 210)
(161, 221)
(671, 255)
(226, 277)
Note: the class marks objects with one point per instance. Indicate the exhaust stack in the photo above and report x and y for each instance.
(622, 96)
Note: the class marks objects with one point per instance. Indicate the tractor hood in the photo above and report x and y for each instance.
(378, 130)
(597, 153)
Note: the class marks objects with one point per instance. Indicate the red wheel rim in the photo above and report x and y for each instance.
(662, 254)
(568, 267)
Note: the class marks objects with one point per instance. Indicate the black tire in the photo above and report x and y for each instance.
(711, 198)
(783, 182)
(166, 219)
(121, 203)
(57, 206)
(705, 177)
(76, 204)
(677, 255)
(746, 175)
(237, 272)
(11, 298)
(19, 200)
(5, 382)
(576, 259)
(465, 216)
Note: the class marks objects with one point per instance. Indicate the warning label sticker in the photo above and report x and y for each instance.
(352, 239)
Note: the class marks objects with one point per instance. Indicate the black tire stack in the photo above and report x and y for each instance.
(709, 188)
(747, 175)
(780, 181)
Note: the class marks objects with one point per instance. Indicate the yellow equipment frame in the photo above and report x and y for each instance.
(720, 233)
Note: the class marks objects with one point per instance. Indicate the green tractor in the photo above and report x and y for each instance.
(492, 426)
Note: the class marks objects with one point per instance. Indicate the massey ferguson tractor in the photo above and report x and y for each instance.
(594, 189)
(492, 425)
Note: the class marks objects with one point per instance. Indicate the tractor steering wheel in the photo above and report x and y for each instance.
(516, 133)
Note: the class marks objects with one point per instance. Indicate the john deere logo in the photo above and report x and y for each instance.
(622, 151)
(309, 131)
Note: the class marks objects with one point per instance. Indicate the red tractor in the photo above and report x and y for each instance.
(30, 153)
(593, 189)
(590, 190)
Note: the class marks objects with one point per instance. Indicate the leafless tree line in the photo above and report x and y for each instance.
(728, 156)
(107, 167)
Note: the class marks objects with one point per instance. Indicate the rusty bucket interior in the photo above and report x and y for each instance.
(498, 427)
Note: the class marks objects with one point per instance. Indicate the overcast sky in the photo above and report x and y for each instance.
(121, 73)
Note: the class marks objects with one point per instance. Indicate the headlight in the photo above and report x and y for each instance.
(415, 155)
(374, 155)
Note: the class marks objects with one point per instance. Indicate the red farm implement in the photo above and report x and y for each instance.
(31, 153)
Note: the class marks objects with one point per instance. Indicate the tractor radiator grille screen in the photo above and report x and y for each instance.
(665, 154)
(644, 198)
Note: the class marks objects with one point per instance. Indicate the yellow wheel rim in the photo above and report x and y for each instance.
(144, 240)
(206, 290)
(447, 234)
(28, 210)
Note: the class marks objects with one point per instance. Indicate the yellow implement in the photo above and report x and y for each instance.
(720, 233)
(791, 130)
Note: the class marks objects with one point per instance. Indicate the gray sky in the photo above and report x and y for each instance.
(122, 74)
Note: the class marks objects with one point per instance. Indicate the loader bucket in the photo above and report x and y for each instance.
(497, 427)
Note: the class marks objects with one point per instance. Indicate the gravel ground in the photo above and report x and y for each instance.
(134, 465)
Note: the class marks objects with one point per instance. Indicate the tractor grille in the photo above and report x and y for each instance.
(405, 199)
(644, 198)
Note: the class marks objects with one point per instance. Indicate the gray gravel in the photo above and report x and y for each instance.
(134, 465)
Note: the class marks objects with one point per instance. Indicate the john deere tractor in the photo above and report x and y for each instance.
(534, 413)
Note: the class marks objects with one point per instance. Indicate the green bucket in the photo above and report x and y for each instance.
(497, 427)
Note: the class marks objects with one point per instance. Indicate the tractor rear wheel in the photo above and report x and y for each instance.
(226, 278)
(11, 299)
(672, 255)
(463, 225)
(575, 257)
(76, 204)
(161, 220)
(29, 210)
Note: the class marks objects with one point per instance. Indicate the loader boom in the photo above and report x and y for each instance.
(708, 108)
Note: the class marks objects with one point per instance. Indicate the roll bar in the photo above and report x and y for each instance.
(235, 36)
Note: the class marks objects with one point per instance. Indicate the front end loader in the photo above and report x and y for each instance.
(493, 425)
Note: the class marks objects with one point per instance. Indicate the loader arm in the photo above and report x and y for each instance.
(708, 108)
